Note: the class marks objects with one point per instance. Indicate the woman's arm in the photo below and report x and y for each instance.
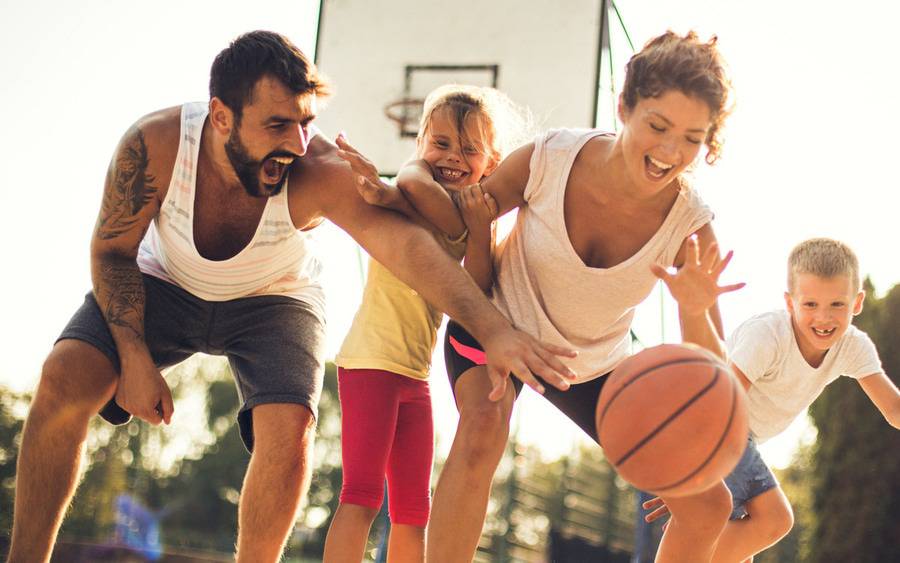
(506, 185)
(696, 289)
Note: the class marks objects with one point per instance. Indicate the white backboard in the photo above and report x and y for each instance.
(542, 54)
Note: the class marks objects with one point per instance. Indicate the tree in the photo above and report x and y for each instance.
(856, 460)
(10, 437)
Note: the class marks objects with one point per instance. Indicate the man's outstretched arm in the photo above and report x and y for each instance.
(413, 255)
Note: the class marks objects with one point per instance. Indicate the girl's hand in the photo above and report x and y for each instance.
(696, 285)
(368, 183)
(478, 208)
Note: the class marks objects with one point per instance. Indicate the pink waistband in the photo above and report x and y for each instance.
(470, 353)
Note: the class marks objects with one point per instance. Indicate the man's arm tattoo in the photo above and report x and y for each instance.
(124, 289)
(130, 189)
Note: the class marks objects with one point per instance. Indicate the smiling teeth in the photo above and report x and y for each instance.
(659, 164)
(452, 173)
(823, 332)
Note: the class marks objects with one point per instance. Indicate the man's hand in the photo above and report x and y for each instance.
(143, 392)
(696, 285)
(513, 351)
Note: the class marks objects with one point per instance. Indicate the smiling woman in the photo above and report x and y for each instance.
(598, 215)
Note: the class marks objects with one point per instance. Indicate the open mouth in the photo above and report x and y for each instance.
(274, 168)
(823, 332)
(451, 174)
(656, 168)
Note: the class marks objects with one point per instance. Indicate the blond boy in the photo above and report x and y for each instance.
(785, 359)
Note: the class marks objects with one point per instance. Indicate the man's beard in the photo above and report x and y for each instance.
(248, 169)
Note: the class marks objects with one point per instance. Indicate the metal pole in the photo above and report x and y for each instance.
(602, 41)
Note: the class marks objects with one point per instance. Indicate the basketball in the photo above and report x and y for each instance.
(672, 420)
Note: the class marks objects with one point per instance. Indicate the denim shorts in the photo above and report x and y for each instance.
(749, 479)
(274, 344)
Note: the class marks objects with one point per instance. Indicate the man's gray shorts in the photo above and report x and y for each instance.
(275, 344)
(749, 479)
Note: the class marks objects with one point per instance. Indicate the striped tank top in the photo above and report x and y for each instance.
(278, 260)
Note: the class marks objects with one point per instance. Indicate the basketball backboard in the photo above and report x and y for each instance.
(544, 55)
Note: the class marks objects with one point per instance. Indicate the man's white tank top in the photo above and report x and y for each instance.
(544, 288)
(278, 260)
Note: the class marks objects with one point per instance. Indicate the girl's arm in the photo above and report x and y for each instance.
(696, 289)
(478, 211)
(416, 181)
(884, 394)
(505, 186)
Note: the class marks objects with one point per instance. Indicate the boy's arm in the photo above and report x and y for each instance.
(478, 211)
(884, 394)
(696, 289)
(745, 381)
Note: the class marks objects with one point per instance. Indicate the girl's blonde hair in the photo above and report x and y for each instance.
(502, 126)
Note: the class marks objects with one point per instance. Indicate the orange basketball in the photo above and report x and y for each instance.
(672, 420)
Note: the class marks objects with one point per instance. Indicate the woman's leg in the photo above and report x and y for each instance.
(695, 525)
(461, 497)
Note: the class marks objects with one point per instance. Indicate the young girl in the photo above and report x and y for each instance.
(383, 364)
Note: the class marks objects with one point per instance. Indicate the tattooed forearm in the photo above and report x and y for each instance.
(129, 187)
(120, 293)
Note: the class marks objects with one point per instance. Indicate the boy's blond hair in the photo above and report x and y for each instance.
(825, 258)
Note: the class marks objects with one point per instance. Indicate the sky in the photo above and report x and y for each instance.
(809, 151)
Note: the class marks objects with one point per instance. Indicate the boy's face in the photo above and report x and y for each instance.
(821, 310)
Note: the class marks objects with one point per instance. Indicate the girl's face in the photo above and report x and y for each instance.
(662, 136)
(458, 158)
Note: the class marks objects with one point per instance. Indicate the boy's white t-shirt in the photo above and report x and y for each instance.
(783, 383)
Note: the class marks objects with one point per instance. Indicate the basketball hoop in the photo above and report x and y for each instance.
(406, 113)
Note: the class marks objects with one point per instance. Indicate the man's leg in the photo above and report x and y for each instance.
(769, 518)
(277, 478)
(76, 381)
(464, 487)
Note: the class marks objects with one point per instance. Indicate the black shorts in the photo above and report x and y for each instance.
(462, 352)
(274, 344)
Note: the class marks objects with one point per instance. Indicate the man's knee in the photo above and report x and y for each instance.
(76, 379)
(283, 433)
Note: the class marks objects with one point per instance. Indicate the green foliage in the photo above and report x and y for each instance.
(856, 460)
(10, 436)
(795, 483)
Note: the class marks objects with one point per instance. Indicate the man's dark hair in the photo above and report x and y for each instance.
(238, 68)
